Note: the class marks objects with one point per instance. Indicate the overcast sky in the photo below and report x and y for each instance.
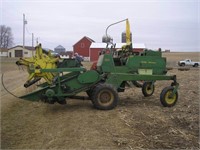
(169, 24)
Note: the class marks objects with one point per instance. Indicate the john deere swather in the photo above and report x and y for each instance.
(115, 69)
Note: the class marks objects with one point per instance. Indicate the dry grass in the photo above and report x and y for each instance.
(137, 123)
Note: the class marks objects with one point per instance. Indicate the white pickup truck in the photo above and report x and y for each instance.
(188, 62)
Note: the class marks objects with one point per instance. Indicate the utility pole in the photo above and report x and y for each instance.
(32, 40)
(24, 23)
(32, 43)
(37, 40)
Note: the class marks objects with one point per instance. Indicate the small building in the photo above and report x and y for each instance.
(3, 52)
(59, 49)
(82, 47)
(20, 51)
(96, 48)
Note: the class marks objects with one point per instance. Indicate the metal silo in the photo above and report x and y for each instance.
(124, 37)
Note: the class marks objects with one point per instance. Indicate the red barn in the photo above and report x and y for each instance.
(96, 48)
(82, 47)
(90, 50)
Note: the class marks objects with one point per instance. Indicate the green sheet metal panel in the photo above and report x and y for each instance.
(90, 76)
(156, 63)
(105, 63)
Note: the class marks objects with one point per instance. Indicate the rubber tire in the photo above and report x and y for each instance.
(182, 64)
(146, 86)
(89, 92)
(105, 88)
(195, 65)
(163, 96)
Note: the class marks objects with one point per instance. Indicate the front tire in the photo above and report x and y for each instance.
(166, 99)
(105, 97)
(148, 89)
(195, 65)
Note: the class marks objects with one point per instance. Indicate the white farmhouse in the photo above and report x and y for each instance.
(19, 51)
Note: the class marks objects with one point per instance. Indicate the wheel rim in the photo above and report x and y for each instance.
(149, 90)
(105, 97)
(169, 99)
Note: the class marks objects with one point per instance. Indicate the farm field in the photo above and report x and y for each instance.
(137, 122)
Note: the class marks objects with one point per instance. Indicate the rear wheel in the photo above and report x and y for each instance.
(166, 98)
(148, 89)
(105, 97)
(182, 64)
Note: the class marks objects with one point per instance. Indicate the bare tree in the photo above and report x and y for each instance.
(6, 37)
